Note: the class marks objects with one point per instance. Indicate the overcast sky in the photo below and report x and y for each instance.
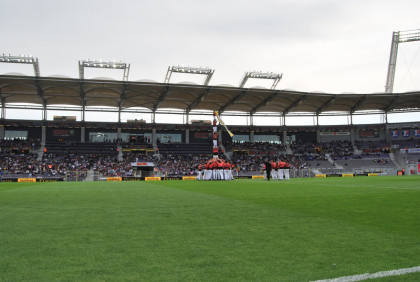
(332, 46)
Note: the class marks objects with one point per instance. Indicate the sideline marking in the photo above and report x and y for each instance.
(379, 274)
(369, 186)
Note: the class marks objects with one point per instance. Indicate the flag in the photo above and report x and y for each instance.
(222, 123)
(406, 133)
(395, 133)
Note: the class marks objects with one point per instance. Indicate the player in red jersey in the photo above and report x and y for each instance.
(280, 166)
(286, 170)
(274, 170)
(200, 172)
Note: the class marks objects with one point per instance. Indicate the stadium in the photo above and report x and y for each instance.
(313, 150)
(112, 210)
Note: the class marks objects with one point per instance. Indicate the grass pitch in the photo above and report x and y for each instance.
(299, 230)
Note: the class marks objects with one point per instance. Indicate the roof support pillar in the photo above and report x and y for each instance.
(43, 135)
(352, 136)
(3, 108)
(119, 133)
(41, 98)
(82, 134)
(82, 100)
(44, 112)
(387, 135)
(2, 133)
(384, 117)
(83, 113)
(187, 136)
(122, 101)
(154, 141)
(154, 117)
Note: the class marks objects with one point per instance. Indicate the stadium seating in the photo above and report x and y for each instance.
(98, 148)
(76, 160)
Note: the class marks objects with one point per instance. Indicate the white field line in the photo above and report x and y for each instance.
(286, 182)
(366, 276)
(369, 186)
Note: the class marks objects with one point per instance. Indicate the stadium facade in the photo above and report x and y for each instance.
(84, 95)
(80, 95)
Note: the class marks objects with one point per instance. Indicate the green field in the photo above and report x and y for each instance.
(255, 230)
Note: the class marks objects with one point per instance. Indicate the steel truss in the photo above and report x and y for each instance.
(398, 37)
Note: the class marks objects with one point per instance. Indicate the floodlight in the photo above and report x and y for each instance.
(409, 35)
(398, 37)
(262, 75)
(191, 70)
(21, 59)
(105, 65)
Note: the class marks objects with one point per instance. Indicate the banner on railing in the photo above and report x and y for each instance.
(114, 179)
(189, 178)
(26, 180)
(153, 178)
(336, 133)
(258, 177)
(410, 150)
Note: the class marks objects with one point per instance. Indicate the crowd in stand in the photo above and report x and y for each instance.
(175, 165)
(381, 161)
(308, 149)
(372, 149)
(49, 165)
(21, 157)
(255, 148)
(109, 166)
(338, 149)
(245, 159)
(18, 146)
(314, 151)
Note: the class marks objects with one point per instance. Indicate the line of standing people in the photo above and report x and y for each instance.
(276, 170)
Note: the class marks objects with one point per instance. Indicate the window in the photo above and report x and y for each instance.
(240, 138)
(102, 136)
(267, 138)
(168, 137)
(15, 134)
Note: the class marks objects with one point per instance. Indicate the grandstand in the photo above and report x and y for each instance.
(68, 147)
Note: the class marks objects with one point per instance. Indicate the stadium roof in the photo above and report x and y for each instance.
(51, 91)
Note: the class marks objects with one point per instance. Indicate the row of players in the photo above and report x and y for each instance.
(276, 170)
(215, 169)
(219, 169)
